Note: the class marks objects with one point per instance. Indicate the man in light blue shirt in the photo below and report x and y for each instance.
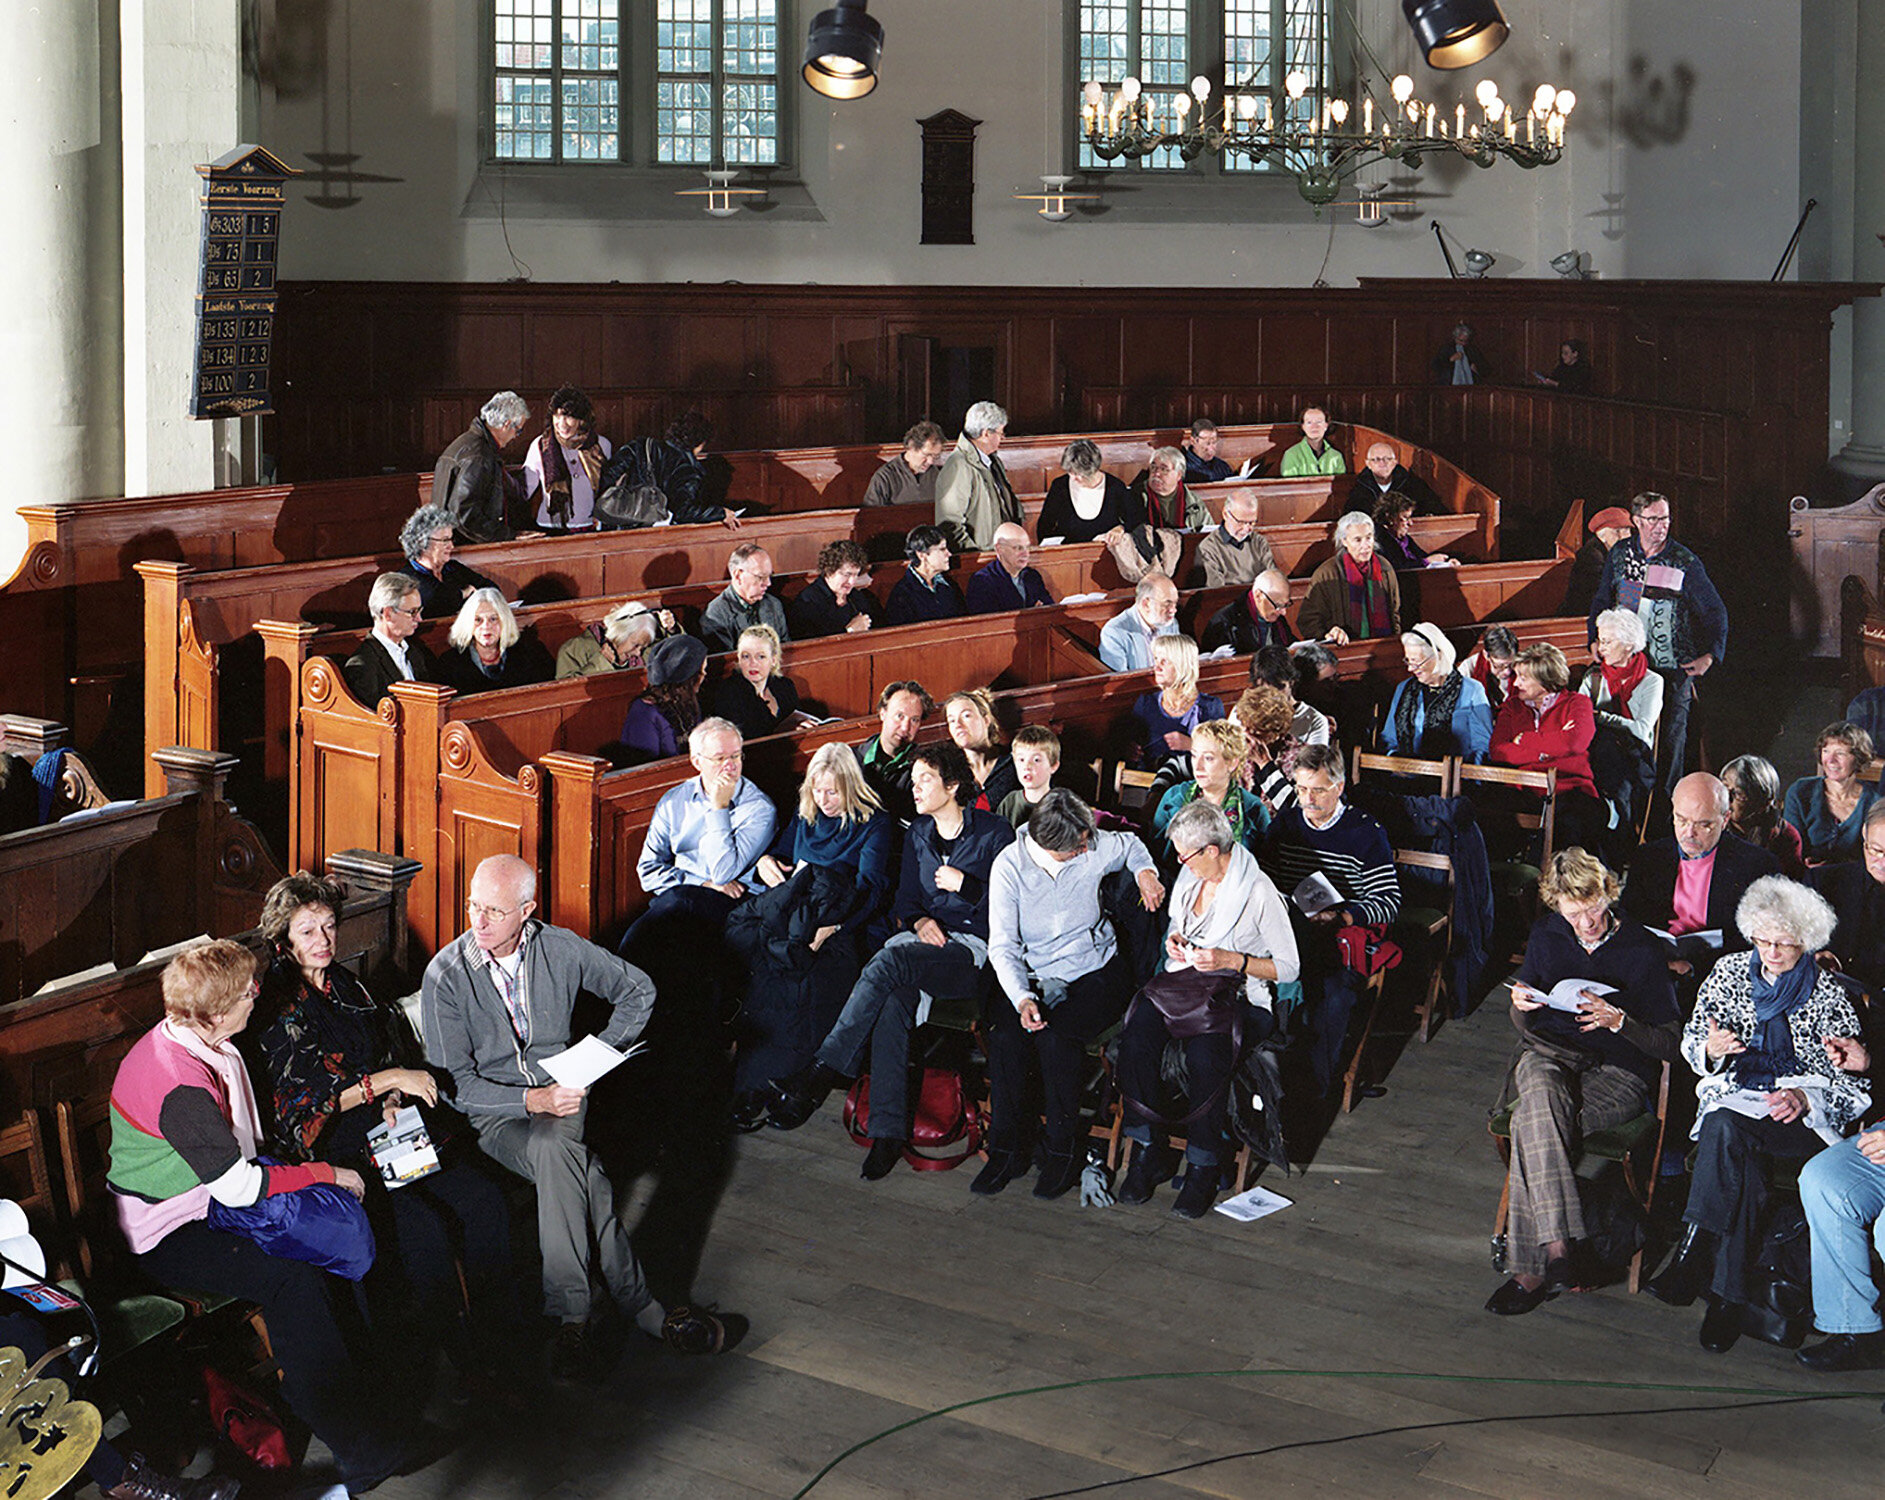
(1126, 639)
(710, 830)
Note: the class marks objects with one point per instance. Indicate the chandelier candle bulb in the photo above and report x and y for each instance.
(1367, 115)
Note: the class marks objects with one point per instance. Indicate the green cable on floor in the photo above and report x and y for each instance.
(1602, 1385)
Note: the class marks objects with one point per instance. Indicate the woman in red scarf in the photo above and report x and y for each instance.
(1621, 685)
(1626, 693)
(1353, 596)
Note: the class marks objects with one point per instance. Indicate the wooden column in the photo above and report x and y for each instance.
(284, 648)
(571, 877)
(369, 872)
(163, 582)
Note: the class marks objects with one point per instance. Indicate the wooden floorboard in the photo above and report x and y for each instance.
(873, 1304)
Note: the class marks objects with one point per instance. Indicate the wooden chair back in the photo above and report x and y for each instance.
(1436, 933)
(1543, 784)
(1444, 772)
(83, 1128)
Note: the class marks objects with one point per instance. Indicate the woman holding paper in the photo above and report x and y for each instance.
(1596, 1016)
(336, 1064)
(1767, 1091)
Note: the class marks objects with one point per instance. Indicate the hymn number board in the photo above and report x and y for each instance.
(235, 297)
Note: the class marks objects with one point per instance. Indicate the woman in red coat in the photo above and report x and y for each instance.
(1544, 724)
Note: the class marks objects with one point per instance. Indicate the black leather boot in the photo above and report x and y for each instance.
(1681, 1281)
(795, 1098)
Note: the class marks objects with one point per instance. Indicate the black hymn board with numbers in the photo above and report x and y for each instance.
(235, 295)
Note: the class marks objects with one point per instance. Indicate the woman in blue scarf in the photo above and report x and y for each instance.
(1767, 1091)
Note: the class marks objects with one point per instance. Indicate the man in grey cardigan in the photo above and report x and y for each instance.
(496, 1002)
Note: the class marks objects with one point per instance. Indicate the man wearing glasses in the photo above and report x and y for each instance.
(390, 654)
(1665, 584)
(1254, 619)
(496, 1003)
(1693, 883)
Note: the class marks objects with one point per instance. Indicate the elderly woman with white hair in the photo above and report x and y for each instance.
(621, 639)
(1161, 497)
(1166, 716)
(1621, 685)
(428, 540)
(973, 495)
(489, 650)
(1767, 1092)
(1436, 710)
(1627, 694)
(1229, 941)
(1354, 596)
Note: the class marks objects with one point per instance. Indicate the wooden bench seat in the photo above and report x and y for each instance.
(448, 781)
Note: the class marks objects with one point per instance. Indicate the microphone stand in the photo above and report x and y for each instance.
(1794, 244)
(1451, 269)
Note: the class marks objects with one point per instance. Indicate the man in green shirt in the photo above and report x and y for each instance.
(1314, 454)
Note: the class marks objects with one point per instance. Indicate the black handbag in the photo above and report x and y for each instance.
(1779, 1306)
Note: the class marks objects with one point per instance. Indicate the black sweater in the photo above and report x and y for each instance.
(1633, 963)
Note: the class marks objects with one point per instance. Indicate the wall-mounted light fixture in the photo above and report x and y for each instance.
(1478, 262)
(720, 192)
(1054, 199)
(1570, 265)
(843, 51)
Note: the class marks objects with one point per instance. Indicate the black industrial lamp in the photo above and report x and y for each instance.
(1456, 33)
(843, 51)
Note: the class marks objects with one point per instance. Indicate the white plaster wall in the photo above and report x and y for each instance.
(398, 83)
(182, 92)
(60, 343)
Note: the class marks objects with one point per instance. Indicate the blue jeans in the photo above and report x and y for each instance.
(877, 1020)
(1844, 1198)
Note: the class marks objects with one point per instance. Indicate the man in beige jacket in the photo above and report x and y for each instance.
(973, 495)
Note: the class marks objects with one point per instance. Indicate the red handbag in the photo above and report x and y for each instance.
(945, 1126)
(246, 1422)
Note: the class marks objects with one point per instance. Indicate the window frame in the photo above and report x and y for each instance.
(637, 85)
(1206, 48)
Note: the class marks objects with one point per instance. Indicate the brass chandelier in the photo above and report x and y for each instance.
(1316, 135)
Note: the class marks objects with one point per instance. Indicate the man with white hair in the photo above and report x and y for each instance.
(497, 1005)
(973, 495)
(1233, 554)
(1126, 639)
(1008, 582)
(470, 480)
(1254, 619)
(390, 654)
(745, 602)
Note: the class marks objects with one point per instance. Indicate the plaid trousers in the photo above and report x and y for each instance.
(1556, 1106)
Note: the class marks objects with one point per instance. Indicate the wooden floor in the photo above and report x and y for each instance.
(874, 1304)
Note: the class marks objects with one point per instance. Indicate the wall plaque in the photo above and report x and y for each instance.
(235, 293)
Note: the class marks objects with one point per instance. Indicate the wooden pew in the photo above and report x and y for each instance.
(66, 1042)
(109, 886)
(192, 618)
(73, 595)
(448, 781)
(598, 818)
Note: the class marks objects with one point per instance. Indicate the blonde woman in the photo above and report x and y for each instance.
(756, 697)
(1576, 1071)
(970, 715)
(488, 650)
(1169, 714)
(827, 876)
(1220, 751)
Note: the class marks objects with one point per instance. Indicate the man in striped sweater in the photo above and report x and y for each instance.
(1321, 834)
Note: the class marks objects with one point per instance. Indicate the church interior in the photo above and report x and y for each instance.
(651, 201)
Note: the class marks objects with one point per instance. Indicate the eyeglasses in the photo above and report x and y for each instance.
(440, 536)
(477, 909)
(1186, 859)
(412, 613)
(1874, 851)
(724, 760)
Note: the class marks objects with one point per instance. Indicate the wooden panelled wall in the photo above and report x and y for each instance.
(359, 361)
(377, 375)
